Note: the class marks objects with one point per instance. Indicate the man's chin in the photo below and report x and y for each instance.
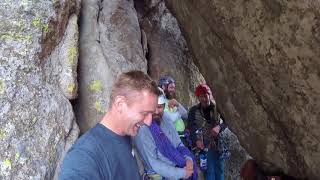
(157, 119)
(134, 131)
(171, 95)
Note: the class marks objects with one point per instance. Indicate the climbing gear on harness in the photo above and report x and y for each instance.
(152, 176)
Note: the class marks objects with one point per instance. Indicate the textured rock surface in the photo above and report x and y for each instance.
(61, 66)
(262, 57)
(167, 49)
(36, 119)
(110, 43)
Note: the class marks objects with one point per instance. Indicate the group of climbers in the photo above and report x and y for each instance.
(173, 143)
(199, 130)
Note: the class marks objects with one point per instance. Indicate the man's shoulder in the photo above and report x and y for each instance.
(89, 141)
(143, 132)
(167, 123)
(88, 136)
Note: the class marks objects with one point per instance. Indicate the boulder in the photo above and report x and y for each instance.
(167, 51)
(37, 123)
(262, 59)
(110, 43)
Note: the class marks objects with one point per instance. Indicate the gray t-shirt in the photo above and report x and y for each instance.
(100, 154)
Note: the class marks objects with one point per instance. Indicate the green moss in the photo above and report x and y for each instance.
(15, 36)
(45, 28)
(96, 86)
(28, 37)
(36, 22)
(34, 121)
(21, 26)
(2, 86)
(7, 163)
(72, 54)
(98, 107)
(2, 134)
(17, 156)
(71, 88)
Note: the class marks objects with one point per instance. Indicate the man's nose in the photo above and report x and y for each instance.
(147, 121)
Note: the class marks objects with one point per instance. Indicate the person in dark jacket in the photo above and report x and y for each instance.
(206, 125)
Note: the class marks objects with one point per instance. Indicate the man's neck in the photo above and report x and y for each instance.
(206, 106)
(158, 122)
(110, 121)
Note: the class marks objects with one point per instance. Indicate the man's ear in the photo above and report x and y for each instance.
(163, 87)
(119, 103)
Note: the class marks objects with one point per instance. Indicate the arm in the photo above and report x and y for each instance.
(180, 109)
(175, 139)
(158, 163)
(222, 122)
(192, 126)
(183, 112)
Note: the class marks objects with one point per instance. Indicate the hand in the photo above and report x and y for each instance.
(189, 164)
(200, 144)
(188, 173)
(173, 103)
(215, 131)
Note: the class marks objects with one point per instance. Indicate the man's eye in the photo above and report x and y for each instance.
(144, 114)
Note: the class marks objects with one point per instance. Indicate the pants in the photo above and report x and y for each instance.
(215, 169)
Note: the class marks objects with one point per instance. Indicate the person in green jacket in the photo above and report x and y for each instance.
(173, 109)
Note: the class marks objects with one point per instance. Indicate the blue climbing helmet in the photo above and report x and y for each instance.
(165, 81)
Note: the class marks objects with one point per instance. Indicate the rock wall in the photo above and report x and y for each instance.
(110, 43)
(166, 49)
(262, 59)
(37, 123)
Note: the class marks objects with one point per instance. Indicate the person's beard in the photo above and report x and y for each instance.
(170, 95)
(157, 118)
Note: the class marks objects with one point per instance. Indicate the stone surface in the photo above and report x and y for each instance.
(110, 43)
(61, 66)
(262, 59)
(36, 119)
(167, 51)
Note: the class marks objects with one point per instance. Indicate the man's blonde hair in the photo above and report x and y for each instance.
(132, 82)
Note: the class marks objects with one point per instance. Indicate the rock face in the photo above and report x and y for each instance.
(61, 66)
(110, 43)
(37, 123)
(167, 51)
(262, 59)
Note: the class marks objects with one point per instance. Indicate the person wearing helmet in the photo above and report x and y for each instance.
(205, 118)
(163, 154)
(173, 109)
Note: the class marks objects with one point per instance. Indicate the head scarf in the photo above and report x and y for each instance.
(202, 89)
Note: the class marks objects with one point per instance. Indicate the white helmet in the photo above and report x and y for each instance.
(162, 98)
